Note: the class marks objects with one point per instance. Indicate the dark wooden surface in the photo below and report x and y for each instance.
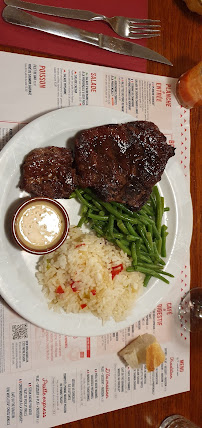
(181, 43)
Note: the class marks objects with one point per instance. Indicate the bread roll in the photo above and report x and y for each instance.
(143, 350)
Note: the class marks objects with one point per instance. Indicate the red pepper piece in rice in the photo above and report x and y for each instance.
(73, 286)
(59, 290)
(83, 306)
(116, 270)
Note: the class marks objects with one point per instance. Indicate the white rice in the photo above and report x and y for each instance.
(82, 266)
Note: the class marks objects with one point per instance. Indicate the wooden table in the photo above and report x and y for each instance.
(181, 43)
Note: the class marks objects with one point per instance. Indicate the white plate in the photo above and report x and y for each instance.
(18, 285)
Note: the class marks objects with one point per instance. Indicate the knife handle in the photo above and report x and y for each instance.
(61, 12)
(18, 17)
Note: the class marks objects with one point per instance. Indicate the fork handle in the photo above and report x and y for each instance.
(61, 12)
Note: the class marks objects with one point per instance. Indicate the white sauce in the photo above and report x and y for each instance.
(40, 225)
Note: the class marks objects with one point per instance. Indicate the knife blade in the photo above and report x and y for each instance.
(16, 16)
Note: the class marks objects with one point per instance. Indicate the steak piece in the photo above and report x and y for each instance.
(122, 162)
(48, 172)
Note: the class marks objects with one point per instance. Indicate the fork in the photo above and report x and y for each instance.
(124, 27)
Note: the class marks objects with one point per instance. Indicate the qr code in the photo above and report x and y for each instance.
(19, 331)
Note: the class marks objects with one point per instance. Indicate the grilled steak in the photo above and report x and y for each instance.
(48, 172)
(122, 162)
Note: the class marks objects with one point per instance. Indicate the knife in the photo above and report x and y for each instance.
(18, 17)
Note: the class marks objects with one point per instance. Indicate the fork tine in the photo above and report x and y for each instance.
(132, 25)
(143, 30)
(141, 36)
(143, 21)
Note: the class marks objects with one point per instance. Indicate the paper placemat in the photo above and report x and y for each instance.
(47, 379)
(37, 41)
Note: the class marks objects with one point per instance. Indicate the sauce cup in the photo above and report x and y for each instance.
(40, 225)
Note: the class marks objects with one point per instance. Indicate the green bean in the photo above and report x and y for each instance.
(161, 261)
(133, 252)
(111, 225)
(122, 227)
(162, 204)
(98, 223)
(143, 258)
(94, 207)
(154, 228)
(146, 210)
(166, 273)
(162, 207)
(153, 203)
(94, 198)
(146, 280)
(149, 239)
(89, 194)
(101, 213)
(81, 221)
(149, 204)
(98, 217)
(123, 247)
(117, 214)
(151, 272)
(97, 229)
(104, 226)
(132, 238)
(97, 204)
(144, 219)
(130, 269)
(150, 229)
(143, 248)
(123, 207)
(84, 209)
(143, 216)
(142, 234)
(118, 235)
(125, 242)
(163, 236)
(82, 199)
(156, 268)
(159, 211)
(150, 211)
(155, 231)
(158, 258)
(144, 252)
(118, 231)
(166, 209)
(88, 197)
(110, 238)
(138, 243)
(151, 266)
(158, 243)
(131, 230)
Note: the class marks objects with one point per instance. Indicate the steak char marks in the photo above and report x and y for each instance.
(122, 162)
(48, 172)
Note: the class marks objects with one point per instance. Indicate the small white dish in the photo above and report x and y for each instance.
(51, 227)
